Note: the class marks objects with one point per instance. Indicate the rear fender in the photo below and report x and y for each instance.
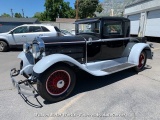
(136, 51)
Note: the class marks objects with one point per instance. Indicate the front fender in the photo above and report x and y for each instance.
(48, 61)
(28, 62)
(136, 51)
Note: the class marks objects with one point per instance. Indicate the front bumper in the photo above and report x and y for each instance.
(24, 87)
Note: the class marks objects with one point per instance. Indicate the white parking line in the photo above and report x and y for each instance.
(67, 105)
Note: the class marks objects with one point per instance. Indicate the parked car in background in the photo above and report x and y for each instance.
(25, 33)
(66, 33)
(73, 31)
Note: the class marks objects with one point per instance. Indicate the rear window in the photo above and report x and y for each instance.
(35, 29)
(44, 29)
(112, 28)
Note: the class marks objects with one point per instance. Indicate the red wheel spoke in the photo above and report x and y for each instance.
(141, 60)
(58, 82)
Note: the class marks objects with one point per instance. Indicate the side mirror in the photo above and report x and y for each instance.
(11, 32)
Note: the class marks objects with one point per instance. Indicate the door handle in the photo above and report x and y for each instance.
(23, 36)
(89, 41)
(40, 34)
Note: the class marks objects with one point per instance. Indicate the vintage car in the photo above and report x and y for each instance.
(101, 46)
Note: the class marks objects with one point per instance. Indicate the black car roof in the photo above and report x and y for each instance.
(100, 18)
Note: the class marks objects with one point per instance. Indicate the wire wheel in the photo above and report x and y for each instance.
(58, 82)
(142, 61)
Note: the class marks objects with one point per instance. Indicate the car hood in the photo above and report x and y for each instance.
(62, 39)
(3, 34)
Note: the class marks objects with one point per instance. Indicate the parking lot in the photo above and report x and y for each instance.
(125, 95)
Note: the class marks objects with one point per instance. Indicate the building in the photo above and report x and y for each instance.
(7, 23)
(145, 18)
(62, 23)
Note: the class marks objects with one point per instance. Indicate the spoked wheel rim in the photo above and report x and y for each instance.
(142, 58)
(1, 46)
(58, 82)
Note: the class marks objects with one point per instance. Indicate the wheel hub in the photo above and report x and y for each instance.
(60, 83)
(1, 46)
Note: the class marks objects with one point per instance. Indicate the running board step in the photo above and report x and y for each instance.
(118, 68)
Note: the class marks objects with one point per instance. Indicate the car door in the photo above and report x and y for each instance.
(34, 31)
(113, 39)
(18, 35)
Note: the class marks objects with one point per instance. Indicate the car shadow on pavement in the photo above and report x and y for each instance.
(87, 82)
(15, 50)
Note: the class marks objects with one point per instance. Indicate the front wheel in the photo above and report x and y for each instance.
(3, 46)
(142, 61)
(56, 83)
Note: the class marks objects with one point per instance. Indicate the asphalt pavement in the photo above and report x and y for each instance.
(125, 95)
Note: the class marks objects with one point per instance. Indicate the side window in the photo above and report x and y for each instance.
(44, 29)
(22, 29)
(112, 28)
(35, 29)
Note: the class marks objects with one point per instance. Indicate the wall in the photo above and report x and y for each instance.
(61, 25)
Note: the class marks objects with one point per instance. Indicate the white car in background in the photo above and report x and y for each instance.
(66, 33)
(25, 33)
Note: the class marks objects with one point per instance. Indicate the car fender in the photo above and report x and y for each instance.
(136, 51)
(28, 62)
(4, 39)
(50, 60)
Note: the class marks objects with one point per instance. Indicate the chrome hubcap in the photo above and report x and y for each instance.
(1, 46)
(60, 84)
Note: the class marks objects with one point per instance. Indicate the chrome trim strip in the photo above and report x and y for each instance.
(94, 41)
(99, 40)
(109, 39)
(66, 42)
(115, 39)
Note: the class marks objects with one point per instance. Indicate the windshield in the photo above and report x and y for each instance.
(93, 27)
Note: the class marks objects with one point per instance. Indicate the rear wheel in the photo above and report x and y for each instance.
(3, 46)
(142, 61)
(56, 83)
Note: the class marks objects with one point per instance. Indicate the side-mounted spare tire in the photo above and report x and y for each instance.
(56, 83)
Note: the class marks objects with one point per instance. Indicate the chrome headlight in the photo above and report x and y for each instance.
(35, 51)
(38, 48)
(26, 47)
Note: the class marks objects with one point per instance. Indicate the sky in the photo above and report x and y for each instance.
(30, 7)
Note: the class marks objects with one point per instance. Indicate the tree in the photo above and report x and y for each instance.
(66, 11)
(86, 8)
(52, 9)
(5, 15)
(18, 15)
(58, 8)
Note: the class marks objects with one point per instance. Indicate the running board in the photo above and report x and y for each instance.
(118, 68)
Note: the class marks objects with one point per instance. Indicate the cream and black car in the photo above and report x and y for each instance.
(101, 46)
